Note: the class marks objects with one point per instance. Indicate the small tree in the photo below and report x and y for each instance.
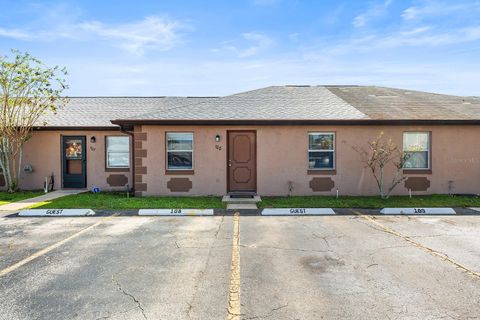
(377, 156)
(28, 90)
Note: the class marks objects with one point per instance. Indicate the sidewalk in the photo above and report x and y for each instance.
(19, 205)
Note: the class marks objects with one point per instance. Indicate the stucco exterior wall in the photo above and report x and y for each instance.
(43, 153)
(282, 157)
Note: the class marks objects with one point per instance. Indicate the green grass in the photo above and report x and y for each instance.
(7, 197)
(369, 202)
(113, 200)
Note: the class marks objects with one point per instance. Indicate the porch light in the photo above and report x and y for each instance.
(217, 138)
(93, 139)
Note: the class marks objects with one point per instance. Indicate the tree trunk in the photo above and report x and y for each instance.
(381, 183)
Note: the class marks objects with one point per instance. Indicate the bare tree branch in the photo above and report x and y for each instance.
(379, 154)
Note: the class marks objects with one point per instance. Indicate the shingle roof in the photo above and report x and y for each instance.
(271, 103)
(99, 111)
(390, 103)
(354, 103)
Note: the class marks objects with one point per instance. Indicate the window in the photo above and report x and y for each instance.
(179, 150)
(321, 151)
(118, 151)
(417, 146)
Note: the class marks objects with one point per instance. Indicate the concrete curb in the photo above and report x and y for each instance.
(258, 212)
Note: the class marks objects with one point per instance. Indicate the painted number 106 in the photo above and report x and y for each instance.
(419, 210)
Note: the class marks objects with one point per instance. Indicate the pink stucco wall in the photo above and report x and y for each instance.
(43, 153)
(282, 157)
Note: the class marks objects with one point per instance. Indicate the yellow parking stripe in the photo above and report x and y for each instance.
(433, 252)
(51, 247)
(234, 288)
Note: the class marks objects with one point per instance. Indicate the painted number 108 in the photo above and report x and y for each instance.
(176, 211)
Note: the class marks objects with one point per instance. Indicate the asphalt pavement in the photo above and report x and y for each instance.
(299, 267)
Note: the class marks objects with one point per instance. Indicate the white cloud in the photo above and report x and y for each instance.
(150, 33)
(15, 34)
(258, 42)
(375, 10)
(431, 9)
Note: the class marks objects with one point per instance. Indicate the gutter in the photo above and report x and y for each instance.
(282, 122)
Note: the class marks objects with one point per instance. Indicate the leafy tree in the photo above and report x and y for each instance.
(28, 90)
(379, 153)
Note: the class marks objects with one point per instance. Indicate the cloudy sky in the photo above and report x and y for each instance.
(209, 48)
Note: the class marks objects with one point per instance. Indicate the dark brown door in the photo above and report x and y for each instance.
(242, 161)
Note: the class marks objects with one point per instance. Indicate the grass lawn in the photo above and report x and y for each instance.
(369, 202)
(113, 200)
(7, 197)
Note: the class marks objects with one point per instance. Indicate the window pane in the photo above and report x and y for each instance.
(179, 160)
(320, 141)
(417, 160)
(73, 149)
(320, 160)
(179, 141)
(118, 152)
(117, 144)
(415, 141)
(118, 159)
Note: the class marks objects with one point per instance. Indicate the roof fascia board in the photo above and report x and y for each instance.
(70, 128)
(298, 122)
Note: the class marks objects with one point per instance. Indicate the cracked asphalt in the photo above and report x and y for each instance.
(323, 267)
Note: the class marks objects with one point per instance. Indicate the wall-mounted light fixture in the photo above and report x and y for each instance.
(93, 139)
(217, 138)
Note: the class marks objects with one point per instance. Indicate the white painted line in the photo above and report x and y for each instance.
(297, 211)
(56, 213)
(474, 209)
(51, 247)
(175, 212)
(418, 211)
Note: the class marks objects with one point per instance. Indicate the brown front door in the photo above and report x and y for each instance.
(242, 161)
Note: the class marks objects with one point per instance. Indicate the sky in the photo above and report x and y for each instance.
(214, 48)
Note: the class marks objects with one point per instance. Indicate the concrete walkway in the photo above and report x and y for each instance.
(19, 205)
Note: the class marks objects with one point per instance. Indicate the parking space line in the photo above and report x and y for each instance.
(52, 247)
(234, 287)
(433, 252)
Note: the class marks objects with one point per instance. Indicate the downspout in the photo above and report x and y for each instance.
(132, 155)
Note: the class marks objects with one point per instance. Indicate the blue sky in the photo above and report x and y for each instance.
(207, 48)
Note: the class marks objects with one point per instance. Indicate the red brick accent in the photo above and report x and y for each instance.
(140, 136)
(141, 153)
(140, 170)
(140, 187)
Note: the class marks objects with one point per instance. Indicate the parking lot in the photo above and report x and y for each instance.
(297, 267)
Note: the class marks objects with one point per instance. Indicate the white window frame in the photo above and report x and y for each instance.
(322, 150)
(429, 147)
(167, 151)
(106, 153)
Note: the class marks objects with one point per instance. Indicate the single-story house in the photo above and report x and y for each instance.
(278, 140)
